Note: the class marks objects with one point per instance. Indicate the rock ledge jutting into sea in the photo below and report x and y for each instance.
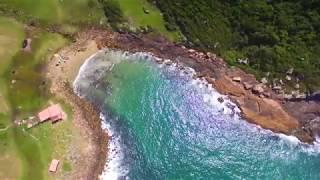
(259, 104)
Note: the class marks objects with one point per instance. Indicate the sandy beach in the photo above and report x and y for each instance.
(90, 148)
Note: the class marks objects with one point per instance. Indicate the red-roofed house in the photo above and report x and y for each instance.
(53, 113)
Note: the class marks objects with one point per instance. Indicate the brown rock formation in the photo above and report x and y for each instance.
(269, 113)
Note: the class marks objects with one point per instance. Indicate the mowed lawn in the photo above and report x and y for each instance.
(134, 11)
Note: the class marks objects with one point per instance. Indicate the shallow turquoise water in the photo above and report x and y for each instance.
(164, 125)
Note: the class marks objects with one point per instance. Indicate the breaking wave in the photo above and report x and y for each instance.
(204, 130)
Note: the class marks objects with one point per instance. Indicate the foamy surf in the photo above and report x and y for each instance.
(96, 67)
(114, 169)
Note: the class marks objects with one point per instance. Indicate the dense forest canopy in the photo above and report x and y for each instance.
(275, 35)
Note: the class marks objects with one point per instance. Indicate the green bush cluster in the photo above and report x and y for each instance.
(113, 12)
(275, 35)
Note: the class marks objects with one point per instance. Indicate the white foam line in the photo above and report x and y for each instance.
(113, 169)
(211, 95)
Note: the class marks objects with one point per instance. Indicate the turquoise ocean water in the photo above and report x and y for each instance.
(165, 125)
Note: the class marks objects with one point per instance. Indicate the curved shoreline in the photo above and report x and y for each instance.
(267, 112)
(266, 108)
(61, 71)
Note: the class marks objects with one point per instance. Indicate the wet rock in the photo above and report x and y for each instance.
(168, 62)
(220, 99)
(236, 79)
(314, 125)
(258, 89)
(230, 106)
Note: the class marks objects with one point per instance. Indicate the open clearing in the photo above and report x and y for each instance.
(11, 35)
(134, 10)
(57, 11)
(27, 153)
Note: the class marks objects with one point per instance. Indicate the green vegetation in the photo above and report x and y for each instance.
(140, 14)
(26, 153)
(11, 36)
(112, 10)
(68, 14)
(27, 93)
(274, 35)
(26, 96)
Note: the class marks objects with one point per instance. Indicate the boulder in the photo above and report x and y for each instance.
(315, 126)
(264, 80)
(258, 89)
(146, 11)
(277, 88)
(290, 71)
(225, 86)
(220, 99)
(288, 78)
(267, 94)
(247, 85)
(236, 79)
(191, 51)
(211, 55)
(281, 82)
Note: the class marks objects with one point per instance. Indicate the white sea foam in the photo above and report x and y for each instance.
(113, 169)
(107, 59)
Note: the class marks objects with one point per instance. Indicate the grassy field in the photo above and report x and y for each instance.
(26, 96)
(134, 11)
(26, 154)
(11, 35)
(48, 12)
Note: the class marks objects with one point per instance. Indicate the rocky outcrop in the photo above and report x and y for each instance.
(258, 103)
(267, 113)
